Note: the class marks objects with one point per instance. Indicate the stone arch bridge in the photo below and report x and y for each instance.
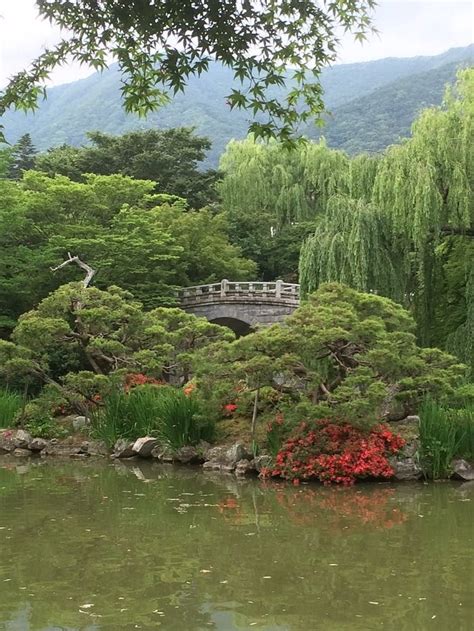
(241, 305)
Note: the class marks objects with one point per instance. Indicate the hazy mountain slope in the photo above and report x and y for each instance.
(372, 122)
(94, 103)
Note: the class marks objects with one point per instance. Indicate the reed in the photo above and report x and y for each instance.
(163, 411)
(10, 404)
(445, 433)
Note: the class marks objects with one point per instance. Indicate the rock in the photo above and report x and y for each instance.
(412, 419)
(19, 452)
(462, 470)
(405, 469)
(188, 455)
(21, 439)
(163, 453)
(225, 459)
(245, 467)
(217, 454)
(37, 445)
(228, 455)
(123, 449)
(237, 452)
(80, 423)
(6, 442)
(144, 446)
(59, 450)
(96, 448)
(410, 448)
(261, 462)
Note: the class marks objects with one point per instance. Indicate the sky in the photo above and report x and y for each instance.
(406, 28)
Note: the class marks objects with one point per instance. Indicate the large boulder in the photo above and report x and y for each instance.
(144, 446)
(225, 459)
(80, 423)
(123, 449)
(6, 442)
(405, 469)
(187, 455)
(19, 452)
(462, 470)
(37, 444)
(21, 439)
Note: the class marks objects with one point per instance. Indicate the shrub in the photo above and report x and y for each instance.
(45, 428)
(10, 405)
(342, 354)
(322, 450)
(445, 433)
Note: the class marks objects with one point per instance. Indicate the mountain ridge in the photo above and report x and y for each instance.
(94, 103)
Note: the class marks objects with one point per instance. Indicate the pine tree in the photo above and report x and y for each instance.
(22, 157)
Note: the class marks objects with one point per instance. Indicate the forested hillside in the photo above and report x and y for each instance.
(381, 118)
(353, 93)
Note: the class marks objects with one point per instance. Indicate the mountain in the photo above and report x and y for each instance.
(384, 116)
(353, 92)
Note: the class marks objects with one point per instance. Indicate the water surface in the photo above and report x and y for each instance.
(95, 546)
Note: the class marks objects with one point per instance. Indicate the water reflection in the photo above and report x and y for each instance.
(99, 546)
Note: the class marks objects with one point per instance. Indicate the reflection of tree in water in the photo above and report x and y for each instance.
(198, 549)
(341, 508)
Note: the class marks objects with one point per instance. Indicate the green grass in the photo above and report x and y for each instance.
(10, 404)
(445, 434)
(164, 412)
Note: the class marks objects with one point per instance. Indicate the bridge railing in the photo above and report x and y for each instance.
(276, 289)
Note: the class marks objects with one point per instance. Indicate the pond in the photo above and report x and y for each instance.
(94, 546)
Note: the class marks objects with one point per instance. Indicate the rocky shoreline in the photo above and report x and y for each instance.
(235, 459)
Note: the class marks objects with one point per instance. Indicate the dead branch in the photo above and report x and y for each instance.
(87, 268)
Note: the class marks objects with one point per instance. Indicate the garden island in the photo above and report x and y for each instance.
(246, 357)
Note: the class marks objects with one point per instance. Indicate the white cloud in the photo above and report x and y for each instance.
(407, 28)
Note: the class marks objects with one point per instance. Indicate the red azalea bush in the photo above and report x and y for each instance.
(322, 450)
(132, 380)
(229, 409)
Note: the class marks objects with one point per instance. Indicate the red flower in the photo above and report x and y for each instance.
(229, 409)
(336, 453)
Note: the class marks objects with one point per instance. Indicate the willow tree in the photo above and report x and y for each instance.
(274, 195)
(399, 228)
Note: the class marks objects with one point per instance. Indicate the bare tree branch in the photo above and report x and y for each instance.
(75, 259)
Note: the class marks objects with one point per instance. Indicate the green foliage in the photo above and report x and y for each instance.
(160, 411)
(21, 157)
(377, 120)
(74, 109)
(125, 415)
(152, 62)
(180, 419)
(104, 332)
(445, 433)
(146, 243)
(408, 234)
(342, 354)
(10, 405)
(5, 161)
(167, 157)
(45, 427)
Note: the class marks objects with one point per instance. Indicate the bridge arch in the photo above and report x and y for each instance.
(241, 305)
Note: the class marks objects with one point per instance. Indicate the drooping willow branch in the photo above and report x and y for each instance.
(87, 268)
